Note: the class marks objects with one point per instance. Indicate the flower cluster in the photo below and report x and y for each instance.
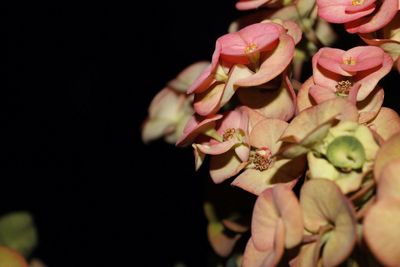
(322, 156)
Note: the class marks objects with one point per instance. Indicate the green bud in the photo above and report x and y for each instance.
(346, 152)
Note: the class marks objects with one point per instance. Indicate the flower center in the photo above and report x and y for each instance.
(343, 87)
(349, 61)
(250, 48)
(357, 2)
(261, 158)
(228, 134)
(346, 153)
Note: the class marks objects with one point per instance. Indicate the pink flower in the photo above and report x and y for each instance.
(359, 16)
(250, 57)
(353, 74)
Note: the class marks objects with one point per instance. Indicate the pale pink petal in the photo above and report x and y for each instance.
(323, 203)
(370, 78)
(195, 126)
(338, 13)
(321, 93)
(165, 104)
(293, 30)
(386, 123)
(242, 151)
(310, 119)
(278, 103)
(254, 117)
(304, 99)
(389, 181)
(237, 72)
(389, 151)
(217, 148)
(250, 4)
(273, 205)
(207, 102)
(206, 78)
(190, 74)
(381, 231)
(322, 76)
(269, 258)
(282, 171)
(232, 119)
(266, 133)
(274, 65)
(370, 106)
(374, 22)
(224, 166)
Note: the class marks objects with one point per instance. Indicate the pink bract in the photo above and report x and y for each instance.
(359, 16)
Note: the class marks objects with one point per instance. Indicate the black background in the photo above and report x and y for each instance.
(77, 83)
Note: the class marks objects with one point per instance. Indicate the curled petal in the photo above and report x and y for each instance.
(389, 182)
(323, 204)
(304, 99)
(312, 118)
(388, 152)
(371, 105)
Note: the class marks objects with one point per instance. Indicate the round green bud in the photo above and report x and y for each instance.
(346, 152)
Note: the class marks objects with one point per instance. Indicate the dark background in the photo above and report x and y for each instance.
(77, 83)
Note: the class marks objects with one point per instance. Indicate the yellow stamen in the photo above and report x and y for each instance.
(349, 61)
(357, 2)
(250, 48)
(228, 134)
(261, 159)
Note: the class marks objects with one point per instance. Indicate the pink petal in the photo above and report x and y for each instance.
(274, 204)
(221, 244)
(250, 4)
(208, 102)
(237, 72)
(186, 77)
(156, 128)
(267, 133)
(370, 106)
(195, 126)
(216, 148)
(365, 57)
(235, 46)
(331, 59)
(386, 123)
(224, 166)
(310, 119)
(381, 231)
(389, 182)
(274, 65)
(370, 78)
(339, 14)
(206, 78)
(321, 93)
(282, 171)
(374, 22)
(304, 99)
(389, 151)
(278, 103)
(322, 76)
(269, 258)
